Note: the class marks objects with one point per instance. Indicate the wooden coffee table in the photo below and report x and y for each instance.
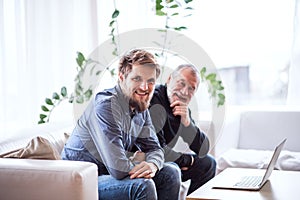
(281, 185)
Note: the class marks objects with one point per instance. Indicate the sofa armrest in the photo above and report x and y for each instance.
(47, 179)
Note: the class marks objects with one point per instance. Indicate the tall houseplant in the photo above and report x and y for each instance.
(168, 9)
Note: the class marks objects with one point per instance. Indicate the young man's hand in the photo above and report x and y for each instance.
(143, 170)
(181, 108)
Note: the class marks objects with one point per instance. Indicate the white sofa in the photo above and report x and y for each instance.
(46, 177)
(36, 179)
(250, 135)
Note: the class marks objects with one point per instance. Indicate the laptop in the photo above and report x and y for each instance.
(251, 182)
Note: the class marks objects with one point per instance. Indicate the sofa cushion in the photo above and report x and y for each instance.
(37, 148)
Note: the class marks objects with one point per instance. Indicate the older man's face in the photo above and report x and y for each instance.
(182, 86)
(139, 85)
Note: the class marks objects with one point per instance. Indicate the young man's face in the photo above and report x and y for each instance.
(138, 86)
(182, 86)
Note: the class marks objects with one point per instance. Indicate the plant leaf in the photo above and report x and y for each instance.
(112, 72)
(221, 99)
(44, 108)
(156, 54)
(88, 94)
(112, 31)
(221, 96)
(80, 59)
(203, 70)
(115, 53)
(180, 28)
(80, 99)
(48, 101)
(111, 23)
(160, 13)
(188, 1)
(211, 77)
(174, 6)
(115, 14)
(63, 91)
(42, 116)
(98, 72)
(41, 122)
(55, 96)
(158, 7)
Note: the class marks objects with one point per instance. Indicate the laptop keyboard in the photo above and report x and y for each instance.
(249, 181)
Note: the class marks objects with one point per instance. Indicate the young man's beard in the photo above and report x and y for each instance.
(139, 106)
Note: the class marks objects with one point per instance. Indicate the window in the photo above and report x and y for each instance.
(250, 43)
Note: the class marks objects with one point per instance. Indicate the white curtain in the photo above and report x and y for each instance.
(38, 44)
(294, 80)
(39, 40)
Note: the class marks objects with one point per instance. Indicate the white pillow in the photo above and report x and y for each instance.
(243, 158)
(250, 158)
(289, 160)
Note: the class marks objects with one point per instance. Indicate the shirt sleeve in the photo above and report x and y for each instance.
(148, 143)
(196, 139)
(107, 136)
(193, 136)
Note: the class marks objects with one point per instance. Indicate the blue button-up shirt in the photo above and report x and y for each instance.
(107, 132)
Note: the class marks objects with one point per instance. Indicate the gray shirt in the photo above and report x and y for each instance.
(107, 132)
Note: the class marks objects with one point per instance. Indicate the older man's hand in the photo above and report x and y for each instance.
(181, 108)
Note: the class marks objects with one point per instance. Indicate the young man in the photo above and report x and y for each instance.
(118, 120)
(172, 118)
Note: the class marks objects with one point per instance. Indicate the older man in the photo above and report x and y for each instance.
(172, 118)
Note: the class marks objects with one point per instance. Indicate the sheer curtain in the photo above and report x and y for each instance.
(294, 81)
(38, 41)
(38, 44)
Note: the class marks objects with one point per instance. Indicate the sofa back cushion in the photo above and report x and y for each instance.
(265, 129)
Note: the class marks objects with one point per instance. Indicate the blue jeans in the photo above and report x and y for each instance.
(165, 185)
